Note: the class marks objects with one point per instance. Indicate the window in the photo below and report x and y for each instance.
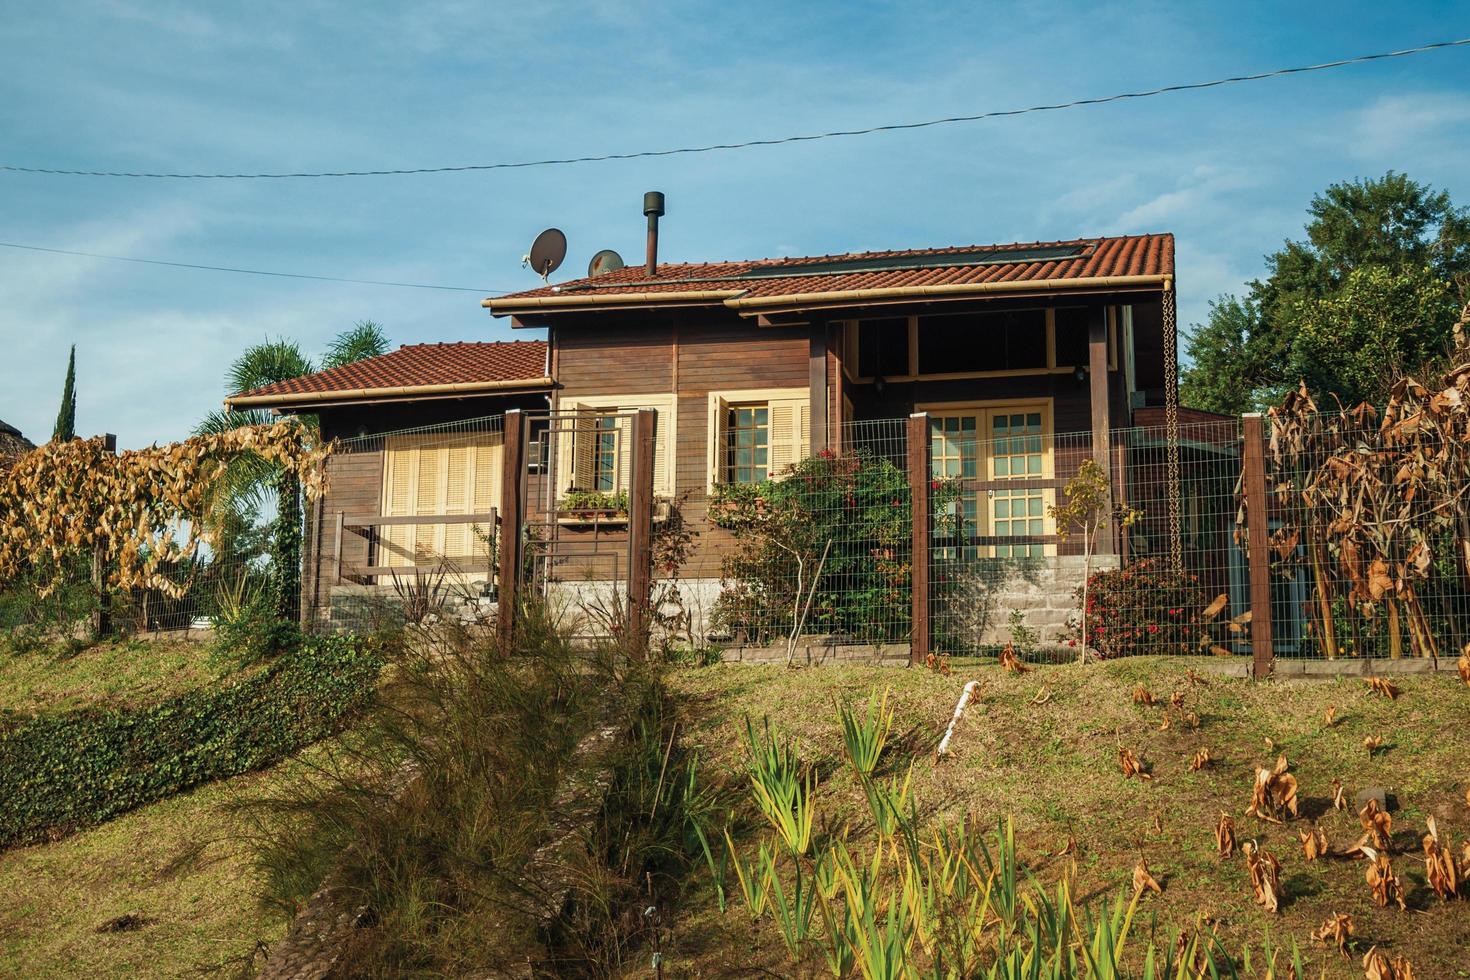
(432, 474)
(605, 454)
(593, 442)
(1071, 328)
(994, 446)
(1009, 341)
(758, 434)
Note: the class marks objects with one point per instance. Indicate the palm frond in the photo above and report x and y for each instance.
(365, 339)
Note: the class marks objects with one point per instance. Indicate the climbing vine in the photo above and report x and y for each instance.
(131, 508)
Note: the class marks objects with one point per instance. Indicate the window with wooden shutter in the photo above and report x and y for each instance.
(432, 475)
(598, 443)
(785, 440)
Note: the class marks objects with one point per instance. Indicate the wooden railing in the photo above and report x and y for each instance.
(365, 526)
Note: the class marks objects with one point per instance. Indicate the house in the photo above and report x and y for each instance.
(13, 445)
(748, 367)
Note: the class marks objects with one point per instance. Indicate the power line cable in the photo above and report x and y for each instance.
(252, 272)
(778, 141)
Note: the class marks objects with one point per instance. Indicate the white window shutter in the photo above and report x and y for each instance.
(400, 468)
(718, 437)
(623, 475)
(663, 455)
(784, 436)
(457, 493)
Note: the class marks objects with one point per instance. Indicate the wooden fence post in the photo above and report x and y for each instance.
(918, 467)
(640, 532)
(508, 535)
(1257, 520)
(102, 614)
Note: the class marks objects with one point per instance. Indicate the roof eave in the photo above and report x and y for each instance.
(317, 398)
(505, 305)
(791, 302)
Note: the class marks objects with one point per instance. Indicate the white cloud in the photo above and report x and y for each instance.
(1420, 122)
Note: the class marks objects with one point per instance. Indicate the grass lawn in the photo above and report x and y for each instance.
(1053, 767)
(114, 673)
(179, 864)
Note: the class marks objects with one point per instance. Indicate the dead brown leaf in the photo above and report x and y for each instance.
(1464, 665)
(1195, 678)
(1439, 865)
(1042, 696)
(1377, 826)
(1176, 700)
(1377, 966)
(1011, 662)
(1215, 608)
(1339, 929)
(1373, 743)
(1130, 765)
(1383, 882)
(1329, 717)
(1314, 843)
(1382, 685)
(1200, 760)
(1339, 800)
(1143, 881)
(1225, 835)
(1265, 876)
(1275, 791)
(1142, 695)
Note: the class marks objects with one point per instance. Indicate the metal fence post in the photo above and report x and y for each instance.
(102, 614)
(918, 467)
(509, 533)
(640, 532)
(1257, 519)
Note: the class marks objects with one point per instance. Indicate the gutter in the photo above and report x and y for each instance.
(740, 301)
(948, 290)
(499, 306)
(353, 394)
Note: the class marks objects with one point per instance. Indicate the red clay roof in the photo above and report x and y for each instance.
(415, 366)
(1095, 258)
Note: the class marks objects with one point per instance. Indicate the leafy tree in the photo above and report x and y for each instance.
(1358, 340)
(251, 480)
(1246, 355)
(365, 339)
(66, 418)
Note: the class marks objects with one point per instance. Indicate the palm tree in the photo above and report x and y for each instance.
(249, 480)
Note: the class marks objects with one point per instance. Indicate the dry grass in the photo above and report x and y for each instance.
(1053, 767)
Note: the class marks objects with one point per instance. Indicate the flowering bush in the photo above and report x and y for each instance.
(1143, 607)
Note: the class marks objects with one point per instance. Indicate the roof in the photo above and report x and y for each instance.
(762, 285)
(13, 445)
(414, 370)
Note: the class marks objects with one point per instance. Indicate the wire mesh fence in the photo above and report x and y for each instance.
(1025, 522)
(822, 550)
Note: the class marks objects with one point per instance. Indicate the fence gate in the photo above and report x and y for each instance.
(577, 518)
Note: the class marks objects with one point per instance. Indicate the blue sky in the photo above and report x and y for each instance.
(155, 84)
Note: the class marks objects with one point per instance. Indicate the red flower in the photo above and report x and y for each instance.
(934, 485)
(1071, 643)
(1153, 627)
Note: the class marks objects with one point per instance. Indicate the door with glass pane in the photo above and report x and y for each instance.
(993, 446)
(1018, 451)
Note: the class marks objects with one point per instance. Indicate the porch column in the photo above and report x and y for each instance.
(817, 381)
(1097, 374)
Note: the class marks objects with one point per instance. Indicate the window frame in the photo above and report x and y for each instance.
(666, 404)
(983, 412)
(798, 442)
(730, 467)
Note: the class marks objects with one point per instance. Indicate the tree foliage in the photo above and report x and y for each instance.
(70, 498)
(1247, 354)
(66, 416)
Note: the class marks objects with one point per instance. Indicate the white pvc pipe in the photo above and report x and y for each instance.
(959, 709)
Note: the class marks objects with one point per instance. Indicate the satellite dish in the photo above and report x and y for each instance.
(604, 262)
(547, 251)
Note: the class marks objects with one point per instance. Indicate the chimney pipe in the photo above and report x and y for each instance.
(653, 206)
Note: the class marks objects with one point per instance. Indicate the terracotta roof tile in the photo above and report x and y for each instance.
(1137, 255)
(418, 365)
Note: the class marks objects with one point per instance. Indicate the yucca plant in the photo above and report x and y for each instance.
(864, 738)
(782, 792)
(754, 878)
(793, 916)
(891, 804)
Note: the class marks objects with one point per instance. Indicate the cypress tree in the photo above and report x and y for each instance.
(66, 418)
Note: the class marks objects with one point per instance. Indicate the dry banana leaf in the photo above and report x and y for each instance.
(1378, 966)
(1329, 717)
(1200, 760)
(1275, 791)
(1338, 929)
(1377, 826)
(1011, 662)
(1176, 700)
(1142, 695)
(1265, 876)
(1382, 881)
(1439, 865)
(1143, 881)
(1130, 765)
(1382, 685)
(1225, 835)
(1215, 608)
(1464, 666)
(1339, 798)
(1373, 743)
(1314, 843)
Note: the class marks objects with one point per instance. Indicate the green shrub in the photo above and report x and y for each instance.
(1143, 607)
(852, 507)
(246, 627)
(70, 770)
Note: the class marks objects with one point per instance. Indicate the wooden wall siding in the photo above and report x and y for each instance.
(615, 359)
(355, 487)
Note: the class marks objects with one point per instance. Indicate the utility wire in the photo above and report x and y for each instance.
(251, 272)
(891, 127)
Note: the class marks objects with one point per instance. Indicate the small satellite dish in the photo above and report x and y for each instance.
(604, 262)
(547, 251)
